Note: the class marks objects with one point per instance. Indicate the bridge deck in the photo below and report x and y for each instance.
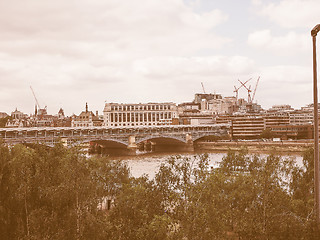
(50, 135)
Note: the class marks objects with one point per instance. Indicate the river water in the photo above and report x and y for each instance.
(149, 163)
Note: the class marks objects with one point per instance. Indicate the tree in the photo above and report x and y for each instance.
(267, 134)
(6, 221)
(259, 190)
(54, 193)
(302, 186)
(58, 193)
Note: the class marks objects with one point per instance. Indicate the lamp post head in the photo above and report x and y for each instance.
(315, 30)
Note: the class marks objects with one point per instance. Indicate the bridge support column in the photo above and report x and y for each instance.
(64, 142)
(146, 146)
(189, 143)
(132, 147)
(152, 146)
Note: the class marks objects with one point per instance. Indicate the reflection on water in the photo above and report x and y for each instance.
(149, 163)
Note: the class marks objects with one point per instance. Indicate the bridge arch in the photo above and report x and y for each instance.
(109, 146)
(175, 138)
(204, 135)
(99, 139)
(109, 140)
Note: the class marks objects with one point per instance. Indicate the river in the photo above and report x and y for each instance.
(149, 163)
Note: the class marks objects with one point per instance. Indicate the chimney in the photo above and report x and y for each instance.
(97, 113)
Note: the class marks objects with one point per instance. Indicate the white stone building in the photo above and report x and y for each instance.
(222, 106)
(119, 114)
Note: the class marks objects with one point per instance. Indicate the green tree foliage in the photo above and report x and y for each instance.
(302, 186)
(55, 193)
(267, 134)
(58, 193)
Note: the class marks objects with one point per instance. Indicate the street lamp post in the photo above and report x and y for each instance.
(314, 33)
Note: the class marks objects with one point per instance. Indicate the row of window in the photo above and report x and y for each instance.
(81, 125)
(83, 117)
(140, 117)
(289, 129)
(137, 124)
(139, 107)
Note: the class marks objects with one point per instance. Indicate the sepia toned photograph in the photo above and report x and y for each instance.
(159, 120)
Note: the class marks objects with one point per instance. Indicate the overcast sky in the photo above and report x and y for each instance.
(135, 51)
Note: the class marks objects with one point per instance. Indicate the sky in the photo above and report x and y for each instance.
(137, 51)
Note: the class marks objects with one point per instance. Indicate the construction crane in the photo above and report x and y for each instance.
(250, 99)
(255, 89)
(38, 109)
(236, 90)
(248, 89)
(34, 95)
(204, 91)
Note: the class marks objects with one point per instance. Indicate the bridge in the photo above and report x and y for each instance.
(123, 138)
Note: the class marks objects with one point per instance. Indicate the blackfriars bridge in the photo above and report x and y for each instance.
(125, 139)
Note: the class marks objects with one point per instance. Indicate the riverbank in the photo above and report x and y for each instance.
(256, 146)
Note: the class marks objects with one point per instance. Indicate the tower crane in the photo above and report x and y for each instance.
(35, 98)
(250, 99)
(248, 89)
(236, 90)
(203, 88)
(255, 89)
(42, 111)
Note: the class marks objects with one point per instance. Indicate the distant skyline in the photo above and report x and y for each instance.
(138, 51)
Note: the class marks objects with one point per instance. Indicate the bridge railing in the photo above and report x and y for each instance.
(51, 133)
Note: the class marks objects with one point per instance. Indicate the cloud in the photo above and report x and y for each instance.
(281, 84)
(288, 44)
(142, 26)
(78, 51)
(292, 13)
(75, 51)
(179, 78)
(256, 2)
(195, 66)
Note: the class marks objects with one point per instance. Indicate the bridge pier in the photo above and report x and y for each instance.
(132, 146)
(189, 147)
(64, 142)
(146, 146)
(152, 146)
